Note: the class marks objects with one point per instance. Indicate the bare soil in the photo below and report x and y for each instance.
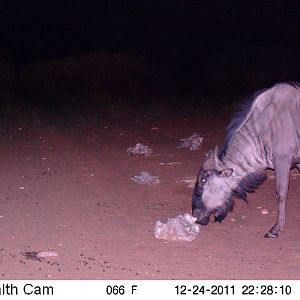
(66, 187)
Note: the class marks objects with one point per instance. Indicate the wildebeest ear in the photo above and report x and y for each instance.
(225, 172)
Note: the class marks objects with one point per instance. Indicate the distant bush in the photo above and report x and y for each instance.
(88, 77)
(253, 67)
(7, 76)
(9, 100)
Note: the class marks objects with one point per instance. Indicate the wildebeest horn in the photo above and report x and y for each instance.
(213, 162)
(209, 164)
(216, 158)
(218, 164)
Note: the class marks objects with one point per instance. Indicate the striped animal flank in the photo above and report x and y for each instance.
(263, 134)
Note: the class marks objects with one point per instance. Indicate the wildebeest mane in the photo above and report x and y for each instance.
(248, 185)
(237, 119)
(294, 84)
(240, 115)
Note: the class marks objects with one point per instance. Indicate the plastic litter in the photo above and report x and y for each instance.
(140, 149)
(43, 254)
(193, 143)
(181, 228)
(189, 181)
(39, 255)
(264, 211)
(146, 178)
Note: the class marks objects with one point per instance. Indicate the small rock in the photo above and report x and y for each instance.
(140, 149)
(146, 178)
(181, 228)
(193, 143)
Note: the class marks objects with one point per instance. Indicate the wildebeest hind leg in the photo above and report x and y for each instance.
(282, 172)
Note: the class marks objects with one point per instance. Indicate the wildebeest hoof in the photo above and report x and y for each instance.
(270, 235)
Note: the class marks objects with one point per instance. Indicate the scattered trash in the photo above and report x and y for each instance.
(181, 228)
(264, 211)
(39, 255)
(43, 254)
(146, 178)
(190, 182)
(193, 143)
(21, 187)
(232, 220)
(174, 163)
(140, 149)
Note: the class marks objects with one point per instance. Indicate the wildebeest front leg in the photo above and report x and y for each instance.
(282, 173)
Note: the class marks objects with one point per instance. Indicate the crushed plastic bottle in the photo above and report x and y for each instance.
(193, 143)
(140, 149)
(181, 228)
(146, 178)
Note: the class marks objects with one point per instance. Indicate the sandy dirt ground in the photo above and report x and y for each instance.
(66, 187)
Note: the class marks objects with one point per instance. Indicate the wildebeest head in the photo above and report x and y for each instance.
(212, 190)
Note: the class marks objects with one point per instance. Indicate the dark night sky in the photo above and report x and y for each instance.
(185, 42)
(174, 30)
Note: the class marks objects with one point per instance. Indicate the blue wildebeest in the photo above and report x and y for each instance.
(264, 134)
